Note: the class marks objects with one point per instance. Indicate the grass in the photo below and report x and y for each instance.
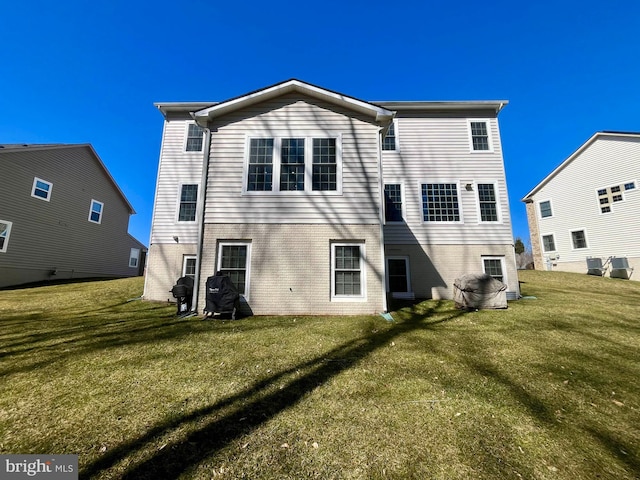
(547, 389)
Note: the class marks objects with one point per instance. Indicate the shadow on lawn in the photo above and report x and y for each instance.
(251, 408)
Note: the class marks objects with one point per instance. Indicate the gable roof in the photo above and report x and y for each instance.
(380, 114)
(572, 157)
(21, 147)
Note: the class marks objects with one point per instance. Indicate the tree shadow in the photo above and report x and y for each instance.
(252, 407)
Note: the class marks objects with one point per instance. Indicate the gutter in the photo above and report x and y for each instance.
(200, 214)
(383, 269)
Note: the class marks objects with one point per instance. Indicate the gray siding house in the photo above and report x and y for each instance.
(315, 202)
(589, 208)
(62, 216)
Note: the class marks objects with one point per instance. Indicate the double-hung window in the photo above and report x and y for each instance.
(440, 202)
(488, 202)
(548, 243)
(389, 142)
(296, 164)
(347, 271)
(479, 136)
(189, 266)
(41, 189)
(95, 212)
(195, 138)
(5, 231)
(134, 257)
(493, 266)
(393, 202)
(234, 261)
(545, 209)
(188, 203)
(579, 239)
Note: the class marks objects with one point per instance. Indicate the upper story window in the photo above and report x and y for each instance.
(5, 231)
(41, 189)
(393, 202)
(479, 134)
(440, 202)
(630, 186)
(488, 202)
(389, 142)
(545, 209)
(613, 194)
(95, 212)
(195, 138)
(293, 164)
(188, 203)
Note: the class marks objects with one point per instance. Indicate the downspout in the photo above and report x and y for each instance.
(200, 214)
(383, 269)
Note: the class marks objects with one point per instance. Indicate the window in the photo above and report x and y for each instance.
(440, 202)
(233, 260)
(548, 243)
(479, 136)
(615, 189)
(579, 239)
(545, 209)
(134, 257)
(488, 202)
(41, 189)
(325, 166)
(605, 209)
(493, 266)
(5, 231)
(95, 212)
(189, 266)
(629, 186)
(195, 136)
(617, 198)
(393, 202)
(398, 278)
(347, 271)
(389, 142)
(260, 164)
(188, 203)
(292, 164)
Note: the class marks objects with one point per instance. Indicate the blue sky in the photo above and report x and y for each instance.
(78, 72)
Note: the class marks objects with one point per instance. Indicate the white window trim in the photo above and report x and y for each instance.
(496, 192)
(136, 256)
(555, 243)
(179, 197)
(402, 198)
(502, 266)
(586, 239)
(91, 211)
(308, 164)
(460, 210)
(408, 271)
(487, 122)
(184, 263)
(247, 282)
(7, 235)
(33, 189)
(363, 273)
(540, 217)
(186, 140)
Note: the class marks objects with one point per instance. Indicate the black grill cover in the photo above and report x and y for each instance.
(222, 295)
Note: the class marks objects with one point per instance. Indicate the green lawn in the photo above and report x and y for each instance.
(549, 388)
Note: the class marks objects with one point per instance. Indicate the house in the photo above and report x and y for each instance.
(62, 216)
(585, 215)
(316, 202)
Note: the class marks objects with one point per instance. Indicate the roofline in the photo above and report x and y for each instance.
(496, 105)
(605, 133)
(27, 147)
(380, 114)
(184, 107)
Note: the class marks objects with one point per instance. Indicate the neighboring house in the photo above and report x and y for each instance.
(589, 208)
(62, 216)
(316, 202)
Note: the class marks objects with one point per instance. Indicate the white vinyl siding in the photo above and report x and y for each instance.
(575, 191)
(356, 199)
(439, 144)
